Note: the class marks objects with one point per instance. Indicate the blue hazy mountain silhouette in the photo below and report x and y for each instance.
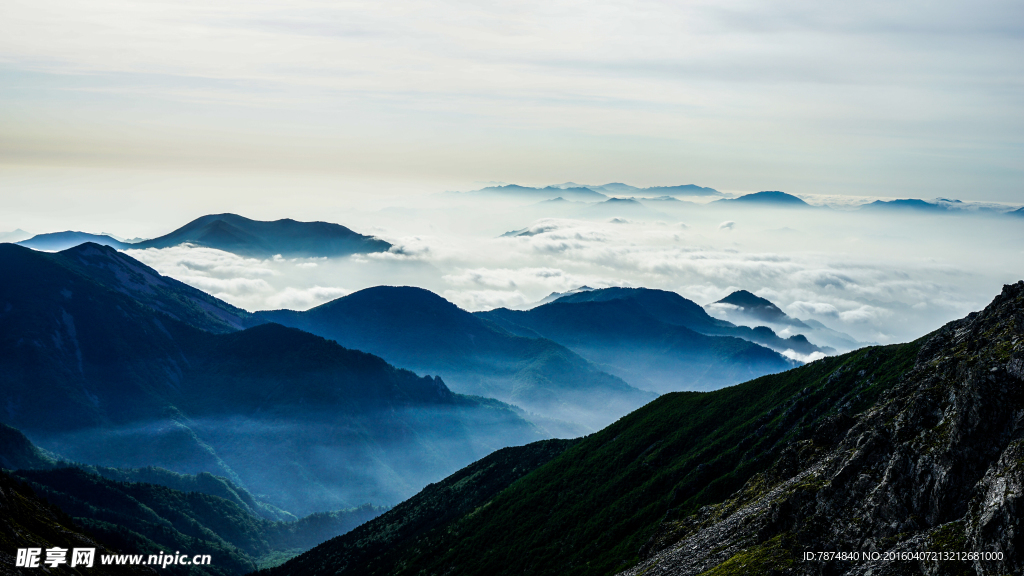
(57, 241)
(760, 308)
(649, 337)
(548, 193)
(768, 198)
(417, 329)
(289, 238)
(906, 204)
(100, 377)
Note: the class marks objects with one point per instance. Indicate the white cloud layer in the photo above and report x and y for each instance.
(877, 277)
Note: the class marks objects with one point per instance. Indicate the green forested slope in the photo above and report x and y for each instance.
(593, 509)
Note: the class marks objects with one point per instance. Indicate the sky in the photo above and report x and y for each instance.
(135, 118)
(915, 99)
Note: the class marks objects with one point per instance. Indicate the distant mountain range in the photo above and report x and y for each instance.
(57, 241)
(743, 307)
(418, 329)
(255, 238)
(672, 308)
(643, 336)
(772, 198)
(936, 206)
(238, 235)
(14, 236)
(549, 193)
(910, 204)
(901, 450)
(591, 193)
(99, 376)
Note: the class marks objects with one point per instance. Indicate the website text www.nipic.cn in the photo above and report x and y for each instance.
(86, 558)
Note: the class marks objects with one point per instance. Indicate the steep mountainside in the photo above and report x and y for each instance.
(17, 452)
(98, 377)
(258, 239)
(417, 522)
(121, 273)
(934, 466)
(912, 452)
(591, 510)
(146, 518)
(26, 521)
(418, 329)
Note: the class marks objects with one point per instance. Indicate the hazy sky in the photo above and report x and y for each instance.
(914, 98)
(137, 117)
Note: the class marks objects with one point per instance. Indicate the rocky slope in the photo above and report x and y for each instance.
(936, 466)
(910, 450)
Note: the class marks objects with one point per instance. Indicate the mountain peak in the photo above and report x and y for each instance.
(263, 239)
(746, 299)
(759, 309)
(771, 198)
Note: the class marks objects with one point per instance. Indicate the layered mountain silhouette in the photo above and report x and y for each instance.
(144, 511)
(908, 451)
(904, 205)
(17, 452)
(759, 309)
(549, 193)
(591, 193)
(671, 308)
(648, 337)
(57, 241)
(418, 329)
(98, 376)
(258, 239)
(238, 235)
(620, 189)
(744, 307)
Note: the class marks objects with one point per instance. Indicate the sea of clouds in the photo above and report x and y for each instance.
(878, 277)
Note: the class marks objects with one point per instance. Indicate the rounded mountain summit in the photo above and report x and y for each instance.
(259, 239)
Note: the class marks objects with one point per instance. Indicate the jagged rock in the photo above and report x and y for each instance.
(935, 466)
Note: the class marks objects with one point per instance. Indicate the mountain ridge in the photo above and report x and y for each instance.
(264, 239)
(131, 386)
(418, 329)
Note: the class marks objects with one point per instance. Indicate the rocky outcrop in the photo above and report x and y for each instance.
(930, 480)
